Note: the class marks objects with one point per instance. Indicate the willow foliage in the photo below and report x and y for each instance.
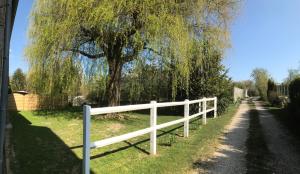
(68, 38)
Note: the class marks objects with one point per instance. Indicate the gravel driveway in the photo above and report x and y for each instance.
(230, 156)
(284, 148)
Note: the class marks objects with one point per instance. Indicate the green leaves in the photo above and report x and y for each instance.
(18, 81)
(261, 78)
(119, 29)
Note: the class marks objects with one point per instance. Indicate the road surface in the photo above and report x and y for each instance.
(232, 154)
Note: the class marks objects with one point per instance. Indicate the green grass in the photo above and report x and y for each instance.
(51, 142)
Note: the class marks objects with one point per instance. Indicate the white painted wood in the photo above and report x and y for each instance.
(209, 99)
(186, 115)
(204, 111)
(115, 109)
(200, 106)
(168, 104)
(215, 107)
(209, 110)
(120, 138)
(153, 122)
(195, 101)
(195, 115)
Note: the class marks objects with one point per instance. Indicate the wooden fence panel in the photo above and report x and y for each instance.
(28, 102)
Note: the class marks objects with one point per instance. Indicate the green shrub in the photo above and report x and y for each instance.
(272, 94)
(294, 94)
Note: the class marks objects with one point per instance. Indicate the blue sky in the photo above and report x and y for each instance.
(265, 33)
(19, 37)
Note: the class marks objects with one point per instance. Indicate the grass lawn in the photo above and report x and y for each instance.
(51, 142)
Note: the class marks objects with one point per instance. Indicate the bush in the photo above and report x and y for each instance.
(272, 94)
(294, 94)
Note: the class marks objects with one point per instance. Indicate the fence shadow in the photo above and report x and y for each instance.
(39, 150)
(160, 133)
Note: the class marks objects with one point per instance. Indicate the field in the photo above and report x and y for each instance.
(51, 142)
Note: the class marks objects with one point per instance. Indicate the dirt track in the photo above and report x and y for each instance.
(282, 149)
(230, 155)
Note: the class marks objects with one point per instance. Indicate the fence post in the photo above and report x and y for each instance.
(204, 110)
(200, 107)
(86, 138)
(186, 115)
(153, 121)
(215, 107)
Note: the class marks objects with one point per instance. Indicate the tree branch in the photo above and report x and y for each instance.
(90, 56)
(151, 49)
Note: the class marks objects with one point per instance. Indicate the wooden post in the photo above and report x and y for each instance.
(153, 122)
(86, 138)
(186, 115)
(200, 107)
(215, 107)
(204, 111)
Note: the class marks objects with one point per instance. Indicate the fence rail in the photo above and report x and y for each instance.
(153, 105)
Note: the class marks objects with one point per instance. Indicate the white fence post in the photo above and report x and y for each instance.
(200, 107)
(204, 111)
(215, 107)
(153, 122)
(86, 138)
(186, 115)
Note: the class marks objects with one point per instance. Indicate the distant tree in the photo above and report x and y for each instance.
(292, 74)
(18, 80)
(261, 78)
(246, 84)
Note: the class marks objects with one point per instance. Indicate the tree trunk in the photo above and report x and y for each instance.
(113, 87)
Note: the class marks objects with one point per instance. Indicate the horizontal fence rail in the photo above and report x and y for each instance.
(153, 105)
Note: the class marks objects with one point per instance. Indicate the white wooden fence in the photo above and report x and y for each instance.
(88, 111)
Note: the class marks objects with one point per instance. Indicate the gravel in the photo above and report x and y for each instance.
(230, 154)
(284, 148)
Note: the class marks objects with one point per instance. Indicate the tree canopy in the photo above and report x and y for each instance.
(72, 42)
(18, 80)
(261, 78)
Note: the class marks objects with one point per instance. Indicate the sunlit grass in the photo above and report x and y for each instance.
(51, 142)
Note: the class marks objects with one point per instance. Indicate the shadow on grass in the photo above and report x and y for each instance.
(39, 150)
(75, 113)
(67, 113)
(167, 133)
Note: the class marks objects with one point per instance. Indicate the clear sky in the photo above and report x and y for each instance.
(19, 37)
(266, 34)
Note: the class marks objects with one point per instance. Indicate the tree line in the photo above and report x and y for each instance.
(268, 90)
(133, 51)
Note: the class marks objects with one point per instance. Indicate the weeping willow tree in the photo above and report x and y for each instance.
(116, 32)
